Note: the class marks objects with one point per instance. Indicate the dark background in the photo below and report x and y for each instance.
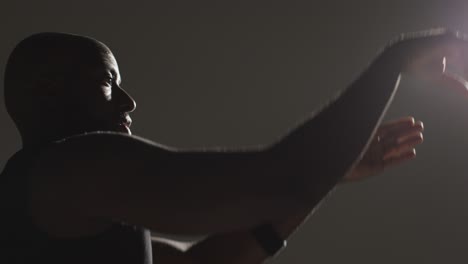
(208, 74)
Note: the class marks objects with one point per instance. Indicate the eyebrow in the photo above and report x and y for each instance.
(106, 70)
(114, 75)
(117, 77)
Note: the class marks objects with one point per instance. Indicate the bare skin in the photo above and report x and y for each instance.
(385, 151)
(288, 178)
(393, 144)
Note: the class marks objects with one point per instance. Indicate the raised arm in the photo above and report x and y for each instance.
(104, 176)
(325, 147)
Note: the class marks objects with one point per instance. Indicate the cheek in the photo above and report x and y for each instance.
(107, 92)
(91, 105)
(94, 103)
(87, 112)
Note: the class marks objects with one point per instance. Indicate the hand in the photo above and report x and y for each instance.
(437, 55)
(394, 143)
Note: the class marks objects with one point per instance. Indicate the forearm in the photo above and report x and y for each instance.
(317, 154)
(324, 148)
(339, 133)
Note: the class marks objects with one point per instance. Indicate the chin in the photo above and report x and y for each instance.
(123, 129)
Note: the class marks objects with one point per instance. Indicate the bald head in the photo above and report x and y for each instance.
(43, 59)
(48, 73)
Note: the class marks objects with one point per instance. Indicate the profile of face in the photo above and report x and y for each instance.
(59, 85)
(97, 101)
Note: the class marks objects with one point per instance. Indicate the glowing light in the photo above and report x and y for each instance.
(454, 71)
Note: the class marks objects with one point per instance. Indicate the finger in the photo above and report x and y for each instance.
(393, 134)
(401, 124)
(401, 138)
(403, 143)
(406, 143)
(409, 155)
(393, 122)
(400, 135)
(420, 125)
(395, 125)
(410, 137)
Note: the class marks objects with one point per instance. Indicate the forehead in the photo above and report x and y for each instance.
(99, 64)
(107, 62)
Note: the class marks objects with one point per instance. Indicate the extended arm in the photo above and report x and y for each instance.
(240, 247)
(137, 181)
(108, 176)
(324, 148)
(393, 144)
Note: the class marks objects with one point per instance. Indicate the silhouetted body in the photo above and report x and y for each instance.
(23, 242)
(84, 190)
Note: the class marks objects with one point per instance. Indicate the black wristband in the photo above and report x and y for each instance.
(268, 238)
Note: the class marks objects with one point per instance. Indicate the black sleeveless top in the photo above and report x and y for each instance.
(21, 242)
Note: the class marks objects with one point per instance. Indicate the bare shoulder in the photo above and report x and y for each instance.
(83, 151)
(65, 172)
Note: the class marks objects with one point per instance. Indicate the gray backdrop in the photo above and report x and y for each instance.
(241, 73)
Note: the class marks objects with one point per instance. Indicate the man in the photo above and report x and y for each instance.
(75, 195)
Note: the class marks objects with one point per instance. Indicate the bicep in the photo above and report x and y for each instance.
(136, 181)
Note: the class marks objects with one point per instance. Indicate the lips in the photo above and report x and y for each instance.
(121, 124)
(125, 121)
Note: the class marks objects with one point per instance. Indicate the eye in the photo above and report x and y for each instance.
(109, 80)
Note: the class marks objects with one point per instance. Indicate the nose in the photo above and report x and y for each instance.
(124, 101)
